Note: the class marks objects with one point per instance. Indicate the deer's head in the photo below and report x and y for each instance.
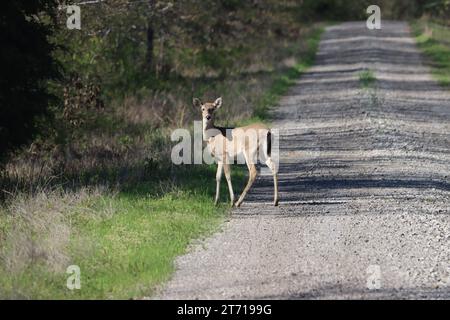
(208, 109)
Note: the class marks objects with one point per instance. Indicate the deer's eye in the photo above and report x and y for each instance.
(203, 109)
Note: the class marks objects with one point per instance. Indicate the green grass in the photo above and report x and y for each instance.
(139, 244)
(125, 243)
(432, 45)
(136, 247)
(367, 78)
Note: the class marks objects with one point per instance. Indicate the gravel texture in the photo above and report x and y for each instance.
(364, 186)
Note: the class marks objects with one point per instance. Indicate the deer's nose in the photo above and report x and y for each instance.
(208, 117)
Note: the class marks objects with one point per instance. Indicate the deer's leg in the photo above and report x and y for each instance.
(272, 168)
(227, 171)
(251, 178)
(218, 178)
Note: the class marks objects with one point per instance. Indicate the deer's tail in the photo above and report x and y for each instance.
(269, 143)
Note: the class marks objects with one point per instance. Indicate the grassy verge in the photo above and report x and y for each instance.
(123, 242)
(433, 40)
(125, 238)
(286, 79)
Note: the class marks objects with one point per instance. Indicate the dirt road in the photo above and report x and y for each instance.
(364, 186)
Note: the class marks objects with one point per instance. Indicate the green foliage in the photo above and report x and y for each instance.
(439, 9)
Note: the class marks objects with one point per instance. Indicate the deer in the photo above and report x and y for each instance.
(226, 144)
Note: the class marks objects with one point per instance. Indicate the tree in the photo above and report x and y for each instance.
(26, 65)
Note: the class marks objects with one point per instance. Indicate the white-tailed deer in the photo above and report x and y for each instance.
(226, 144)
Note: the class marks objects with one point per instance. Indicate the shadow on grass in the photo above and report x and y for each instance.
(152, 179)
(195, 179)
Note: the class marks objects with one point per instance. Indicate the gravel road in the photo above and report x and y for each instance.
(364, 186)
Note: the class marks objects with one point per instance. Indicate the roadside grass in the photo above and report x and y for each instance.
(286, 79)
(121, 211)
(434, 42)
(367, 78)
(124, 242)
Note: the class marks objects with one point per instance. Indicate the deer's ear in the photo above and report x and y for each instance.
(197, 102)
(218, 103)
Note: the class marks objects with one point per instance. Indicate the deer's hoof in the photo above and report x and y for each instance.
(275, 203)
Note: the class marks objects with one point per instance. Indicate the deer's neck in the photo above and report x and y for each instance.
(208, 131)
